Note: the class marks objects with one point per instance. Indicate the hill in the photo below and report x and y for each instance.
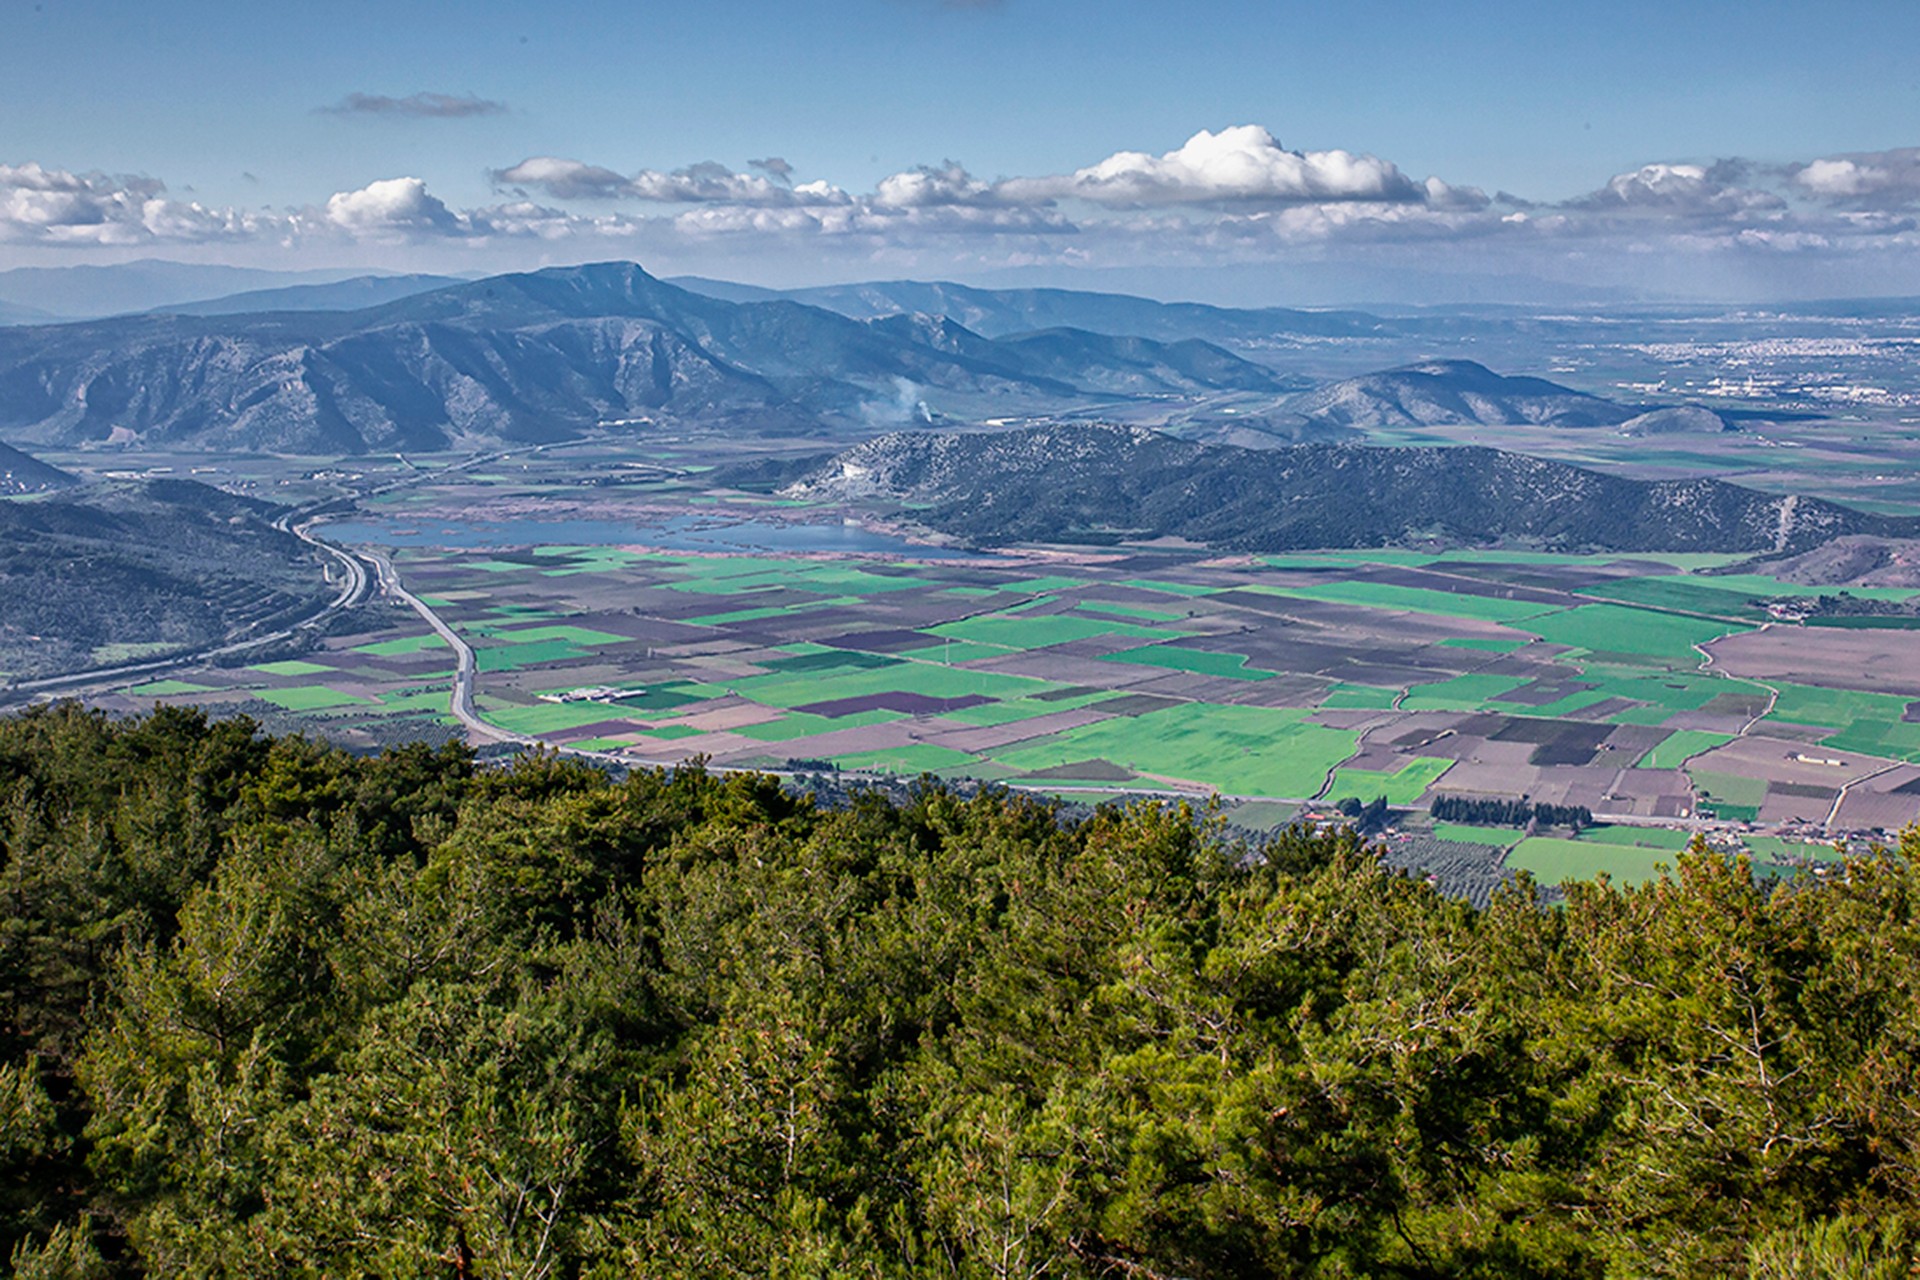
(545, 356)
(1100, 483)
(105, 573)
(22, 473)
(1448, 392)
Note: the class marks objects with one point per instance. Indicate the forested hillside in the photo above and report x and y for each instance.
(121, 570)
(272, 1009)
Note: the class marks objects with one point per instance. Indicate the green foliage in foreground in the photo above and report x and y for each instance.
(270, 1009)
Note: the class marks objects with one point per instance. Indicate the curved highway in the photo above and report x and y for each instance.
(466, 665)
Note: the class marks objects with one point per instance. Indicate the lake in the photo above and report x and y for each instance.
(703, 532)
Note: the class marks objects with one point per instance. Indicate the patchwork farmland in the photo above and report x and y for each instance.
(1640, 688)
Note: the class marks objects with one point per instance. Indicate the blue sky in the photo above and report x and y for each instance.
(225, 131)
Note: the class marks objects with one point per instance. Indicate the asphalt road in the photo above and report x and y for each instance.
(466, 666)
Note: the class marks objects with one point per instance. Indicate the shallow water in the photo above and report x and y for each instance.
(702, 532)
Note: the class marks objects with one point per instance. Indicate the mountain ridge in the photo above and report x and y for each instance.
(542, 356)
(1454, 392)
(1101, 484)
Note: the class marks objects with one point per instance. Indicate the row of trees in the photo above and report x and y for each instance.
(271, 1009)
(1494, 811)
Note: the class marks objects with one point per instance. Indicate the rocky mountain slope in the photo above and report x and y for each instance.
(544, 356)
(1096, 484)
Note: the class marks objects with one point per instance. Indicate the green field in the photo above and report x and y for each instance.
(1462, 833)
(549, 717)
(1677, 747)
(1444, 604)
(1638, 837)
(1257, 751)
(402, 647)
(1359, 697)
(511, 657)
(167, 688)
(1462, 693)
(774, 627)
(1402, 787)
(1612, 628)
(1720, 597)
(309, 697)
(1552, 860)
(292, 668)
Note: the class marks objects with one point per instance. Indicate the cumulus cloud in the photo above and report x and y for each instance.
(1864, 180)
(1240, 165)
(425, 106)
(929, 186)
(705, 183)
(1684, 191)
(563, 179)
(712, 183)
(56, 206)
(393, 205)
(1235, 195)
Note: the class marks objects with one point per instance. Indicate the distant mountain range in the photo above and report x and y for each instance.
(425, 362)
(35, 295)
(547, 355)
(353, 294)
(996, 313)
(14, 313)
(1453, 392)
(22, 473)
(1100, 484)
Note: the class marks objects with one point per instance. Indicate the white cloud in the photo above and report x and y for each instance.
(563, 179)
(1864, 180)
(1682, 191)
(930, 186)
(711, 183)
(392, 205)
(1232, 196)
(56, 206)
(1243, 164)
(703, 183)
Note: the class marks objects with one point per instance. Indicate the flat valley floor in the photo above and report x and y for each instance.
(655, 619)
